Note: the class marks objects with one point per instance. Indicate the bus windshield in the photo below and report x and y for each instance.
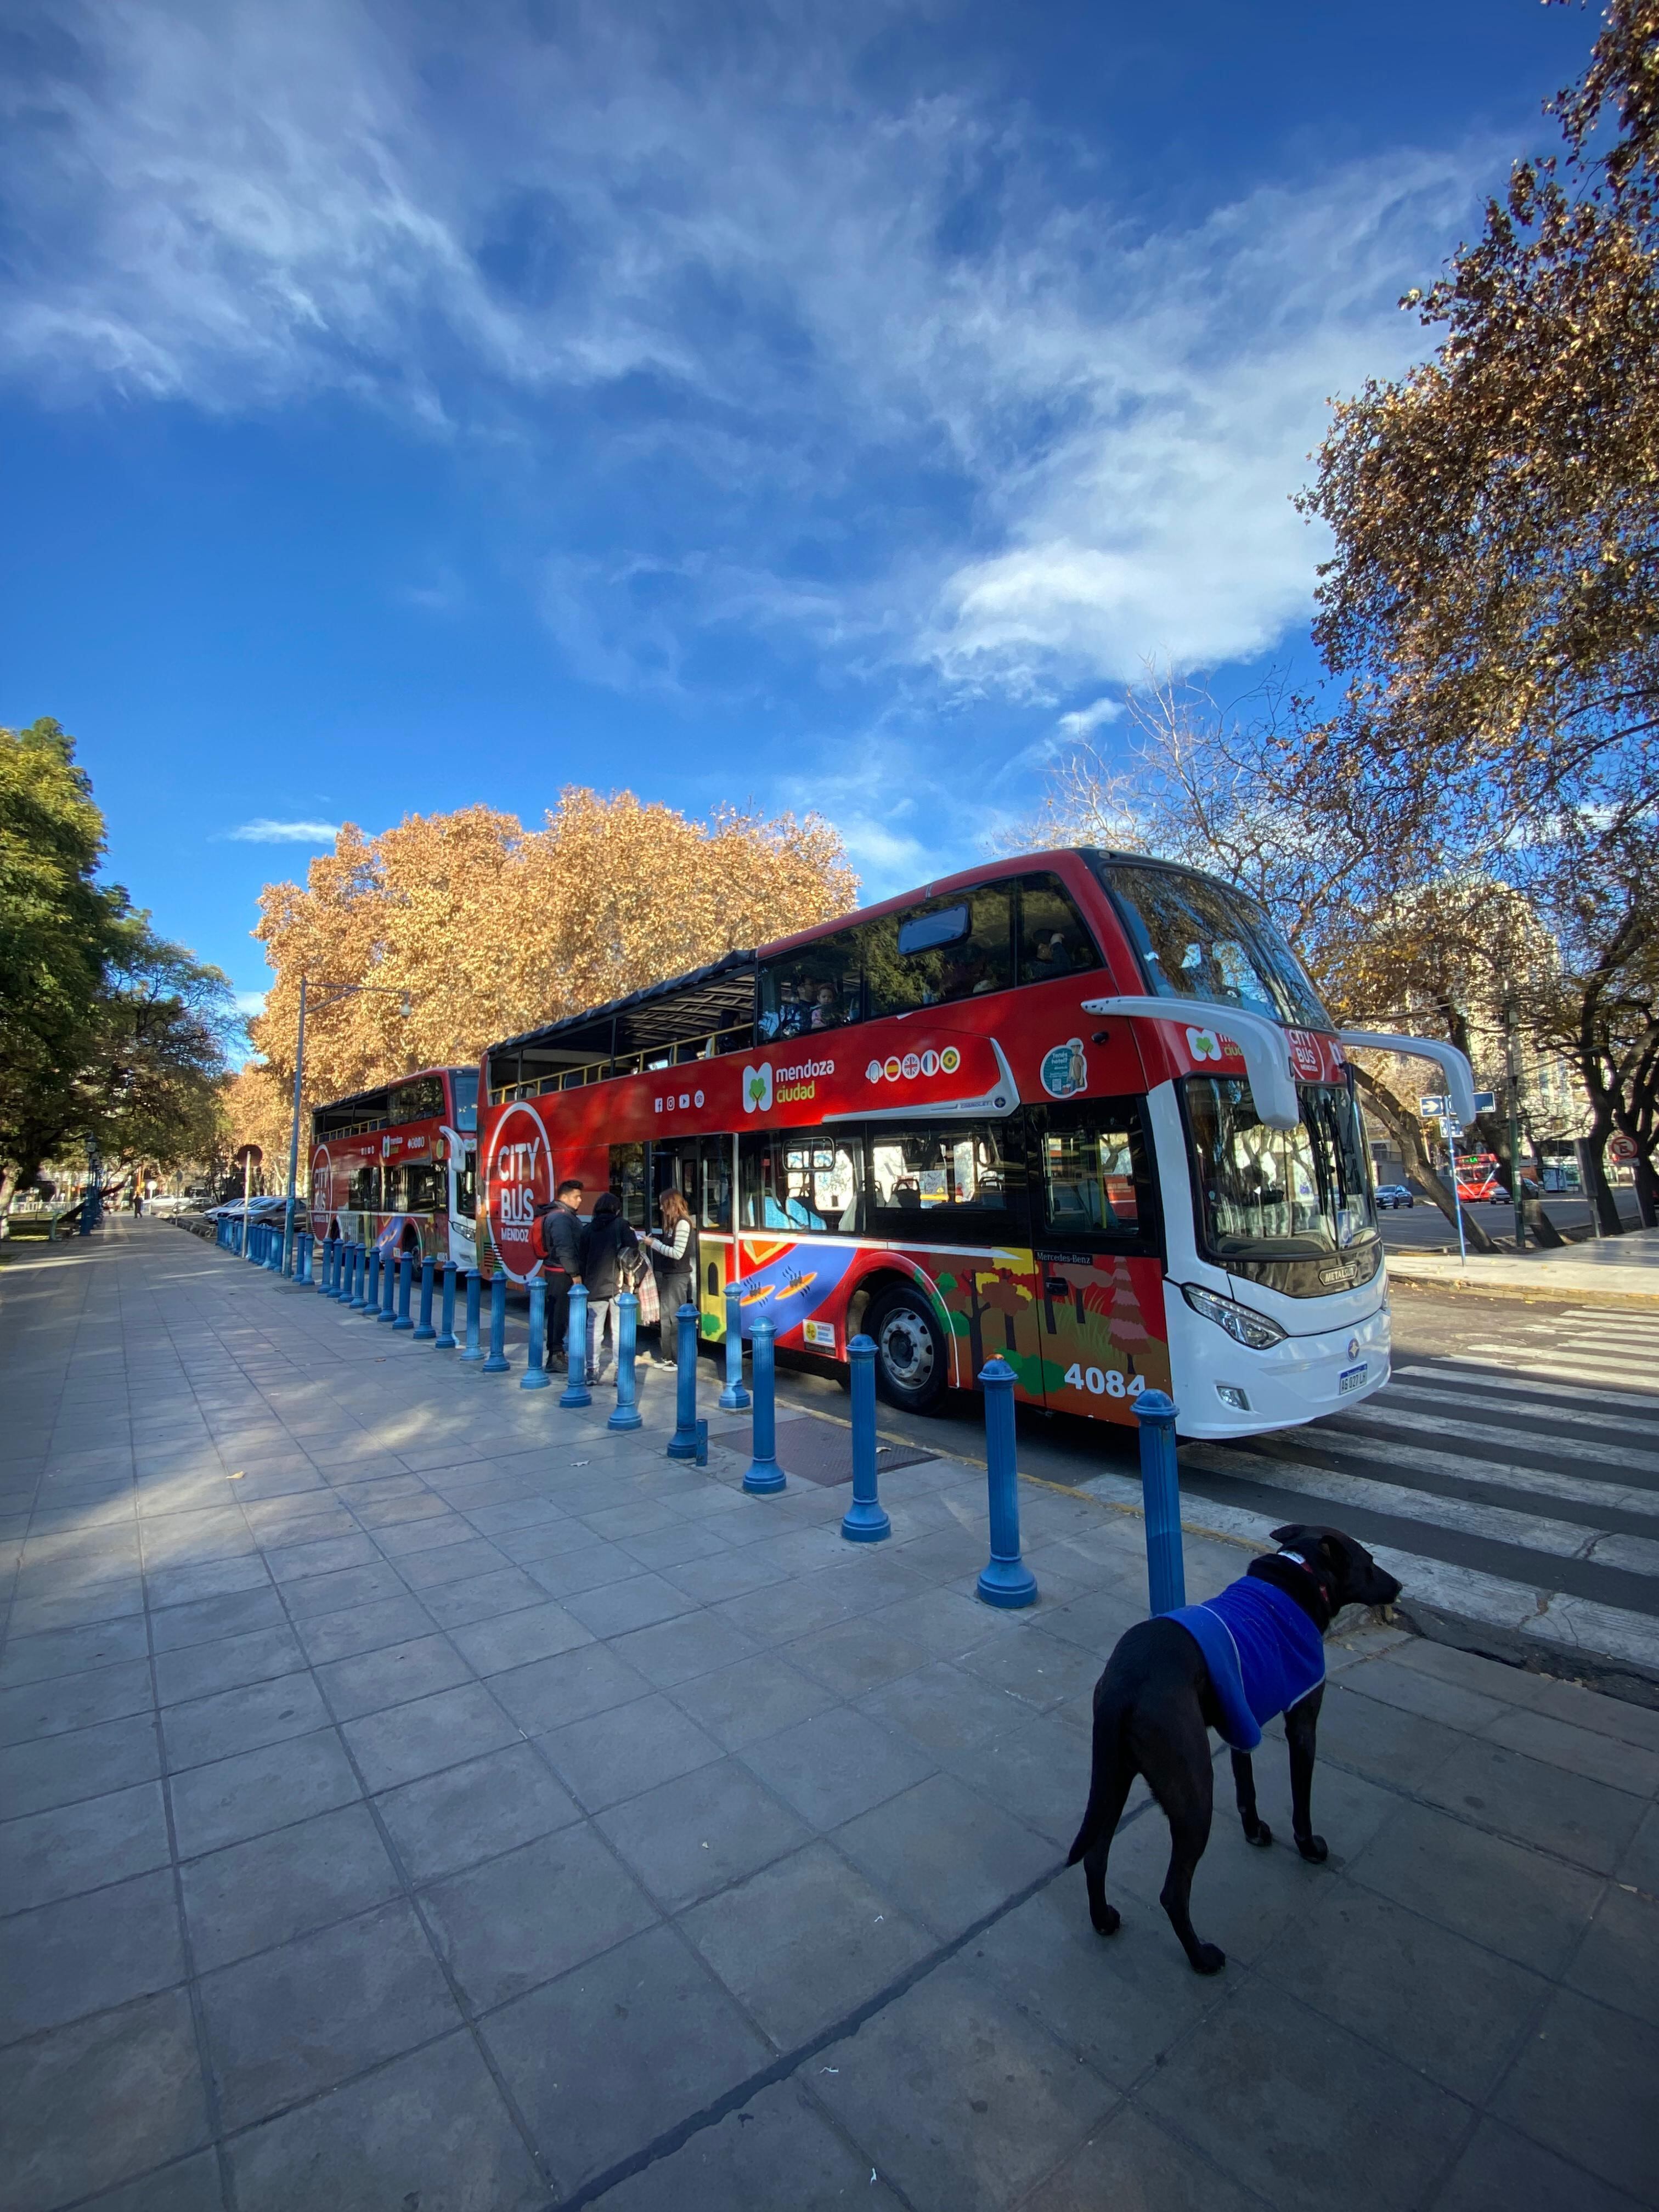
(1301, 1194)
(1198, 938)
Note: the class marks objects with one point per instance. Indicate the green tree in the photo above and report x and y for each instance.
(109, 1035)
(57, 926)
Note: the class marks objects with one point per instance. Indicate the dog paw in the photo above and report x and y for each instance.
(1261, 1835)
(1108, 1921)
(1314, 1849)
(1208, 1959)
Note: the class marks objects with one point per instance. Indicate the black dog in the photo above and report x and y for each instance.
(1161, 1693)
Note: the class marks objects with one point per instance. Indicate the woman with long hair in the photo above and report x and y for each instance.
(673, 1252)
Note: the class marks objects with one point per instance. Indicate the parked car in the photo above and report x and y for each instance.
(1395, 1193)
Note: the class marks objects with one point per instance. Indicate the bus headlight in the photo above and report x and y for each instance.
(1244, 1326)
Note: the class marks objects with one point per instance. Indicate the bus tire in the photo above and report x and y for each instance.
(912, 1364)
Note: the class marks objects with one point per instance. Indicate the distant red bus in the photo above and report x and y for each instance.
(1479, 1177)
(1079, 1109)
(396, 1167)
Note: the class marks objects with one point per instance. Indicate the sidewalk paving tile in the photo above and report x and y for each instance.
(1266, 2094)
(496, 1931)
(779, 2149)
(621, 2050)
(84, 1954)
(693, 1835)
(81, 1846)
(252, 1896)
(448, 1821)
(289, 2022)
(804, 1943)
(960, 2099)
(428, 2130)
(1583, 2087)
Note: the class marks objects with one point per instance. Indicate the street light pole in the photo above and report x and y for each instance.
(332, 993)
(1515, 1126)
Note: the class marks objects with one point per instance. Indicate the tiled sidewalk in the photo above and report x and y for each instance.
(414, 1798)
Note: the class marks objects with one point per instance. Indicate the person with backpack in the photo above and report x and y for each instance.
(556, 1239)
(674, 1263)
(608, 1242)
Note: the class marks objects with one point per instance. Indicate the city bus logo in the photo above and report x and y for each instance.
(1204, 1044)
(757, 1088)
(1305, 1055)
(520, 1179)
(1065, 1069)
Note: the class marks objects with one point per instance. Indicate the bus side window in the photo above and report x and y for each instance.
(1053, 939)
(803, 1182)
(908, 963)
(1093, 1171)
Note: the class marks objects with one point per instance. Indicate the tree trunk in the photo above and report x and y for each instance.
(1406, 1130)
(1600, 1191)
(1647, 1193)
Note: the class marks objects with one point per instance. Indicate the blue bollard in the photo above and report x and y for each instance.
(683, 1444)
(345, 1289)
(302, 1258)
(356, 1275)
(445, 1338)
(368, 1299)
(1160, 1490)
(496, 1363)
(734, 1399)
(388, 1287)
(405, 1277)
(535, 1375)
(576, 1392)
(323, 1285)
(764, 1475)
(1007, 1580)
(627, 1415)
(863, 1521)
(474, 1283)
(424, 1331)
(272, 1261)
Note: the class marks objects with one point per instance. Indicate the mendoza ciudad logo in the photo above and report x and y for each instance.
(764, 1085)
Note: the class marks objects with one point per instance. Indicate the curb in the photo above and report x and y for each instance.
(1623, 1679)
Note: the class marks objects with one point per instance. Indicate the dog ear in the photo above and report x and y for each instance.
(1289, 1532)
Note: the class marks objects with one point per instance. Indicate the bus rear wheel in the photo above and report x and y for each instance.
(911, 1366)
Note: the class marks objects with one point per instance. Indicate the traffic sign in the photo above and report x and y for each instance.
(1485, 1101)
(1623, 1149)
(1430, 1105)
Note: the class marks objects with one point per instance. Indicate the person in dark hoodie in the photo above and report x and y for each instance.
(558, 1244)
(605, 1238)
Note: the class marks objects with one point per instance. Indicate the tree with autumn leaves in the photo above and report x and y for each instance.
(1465, 830)
(485, 928)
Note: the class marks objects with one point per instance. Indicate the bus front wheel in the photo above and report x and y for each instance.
(910, 1358)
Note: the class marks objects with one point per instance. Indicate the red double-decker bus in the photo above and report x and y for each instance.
(397, 1166)
(1081, 1109)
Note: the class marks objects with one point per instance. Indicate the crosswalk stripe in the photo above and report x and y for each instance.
(1603, 1318)
(1500, 1523)
(1423, 1394)
(1531, 1610)
(1489, 1473)
(1515, 1381)
(1380, 1413)
(1582, 1370)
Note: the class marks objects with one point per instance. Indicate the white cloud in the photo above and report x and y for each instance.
(249, 1002)
(1084, 721)
(263, 831)
(1029, 466)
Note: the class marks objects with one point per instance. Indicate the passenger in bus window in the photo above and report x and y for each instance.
(826, 1011)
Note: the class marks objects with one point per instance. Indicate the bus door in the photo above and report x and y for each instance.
(700, 1169)
(1094, 1222)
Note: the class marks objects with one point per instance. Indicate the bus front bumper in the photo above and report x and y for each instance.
(1234, 1391)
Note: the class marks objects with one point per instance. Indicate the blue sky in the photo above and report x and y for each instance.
(409, 404)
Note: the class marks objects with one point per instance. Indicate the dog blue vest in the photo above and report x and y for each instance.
(1263, 1652)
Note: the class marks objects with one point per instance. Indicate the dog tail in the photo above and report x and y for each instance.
(1109, 1785)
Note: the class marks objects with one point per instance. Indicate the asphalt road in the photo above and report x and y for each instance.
(1509, 1472)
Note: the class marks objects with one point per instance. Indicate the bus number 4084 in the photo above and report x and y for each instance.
(1111, 1384)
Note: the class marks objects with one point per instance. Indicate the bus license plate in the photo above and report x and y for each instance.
(1350, 1379)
